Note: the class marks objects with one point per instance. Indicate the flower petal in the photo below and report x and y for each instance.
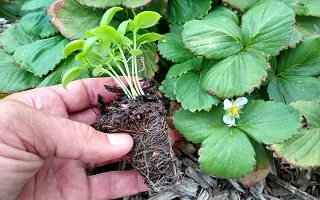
(227, 104)
(241, 101)
(229, 120)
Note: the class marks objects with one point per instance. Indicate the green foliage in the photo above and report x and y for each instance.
(182, 11)
(38, 24)
(303, 149)
(14, 37)
(264, 50)
(41, 56)
(13, 78)
(294, 76)
(227, 151)
(72, 19)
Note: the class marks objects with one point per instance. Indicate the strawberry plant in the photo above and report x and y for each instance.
(245, 74)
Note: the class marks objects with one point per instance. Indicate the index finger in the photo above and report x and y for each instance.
(79, 95)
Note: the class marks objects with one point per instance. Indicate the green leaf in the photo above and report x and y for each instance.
(221, 150)
(13, 78)
(107, 34)
(226, 152)
(303, 149)
(172, 48)
(38, 24)
(304, 60)
(308, 25)
(215, 39)
(307, 8)
(41, 56)
(222, 11)
(35, 4)
(14, 37)
(191, 95)
(182, 68)
(149, 37)
(168, 87)
(55, 77)
(269, 122)
(266, 27)
(110, 3)
(108, 15)
(236, 74)
(178, 11)
(68, 18)
(70, 75)
(292, 88)
(72, 47)
(146, 19)
(296, 72)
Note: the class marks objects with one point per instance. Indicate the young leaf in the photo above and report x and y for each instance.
(269, 122)
(72, 20)
(266, 27)
(13, 78)
(41, 56)
(236, 74)
(72, 47)
(173, 49)
(107, 34)
(168, 87)
(38, 24)
(191, 95)
(14, 37)
(178, 11)
(303, 149)
(88, 43)
(296, 73)
(146, 19)
(149, 37)
(108, 3)
(70, 75)
(35, 4)
(182, 68)
(55, 77)
(215, 39)
(122, 28)
(108, 15)
(136, 52)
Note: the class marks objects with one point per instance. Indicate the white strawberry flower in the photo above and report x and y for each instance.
(233, 109)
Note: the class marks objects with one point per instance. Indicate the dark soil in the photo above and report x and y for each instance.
(145, 120)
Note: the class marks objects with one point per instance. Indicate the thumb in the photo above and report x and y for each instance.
(50, 136)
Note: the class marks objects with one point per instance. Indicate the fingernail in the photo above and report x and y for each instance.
(119, 139)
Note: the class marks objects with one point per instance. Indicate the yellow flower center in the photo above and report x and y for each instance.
(234, 111)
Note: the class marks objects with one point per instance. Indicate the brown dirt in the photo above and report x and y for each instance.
(145, 120)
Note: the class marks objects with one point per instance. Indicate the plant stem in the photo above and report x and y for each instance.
(119, 82)
(135, 66)
(134, 92)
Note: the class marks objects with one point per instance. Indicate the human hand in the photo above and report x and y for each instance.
(45, 141)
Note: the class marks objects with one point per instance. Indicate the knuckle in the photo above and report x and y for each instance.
(84, 131)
